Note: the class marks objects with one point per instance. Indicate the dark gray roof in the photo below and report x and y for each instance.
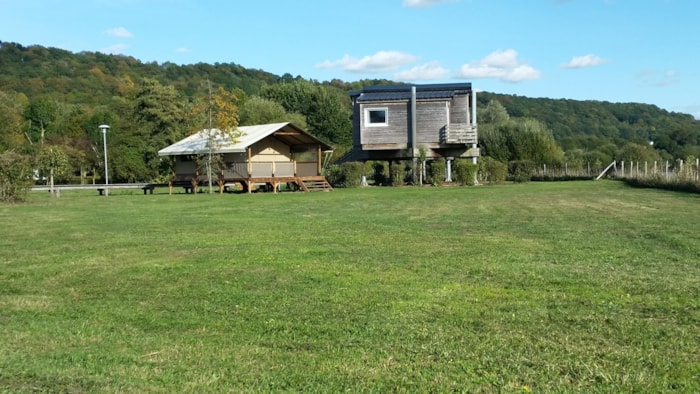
(403, 92)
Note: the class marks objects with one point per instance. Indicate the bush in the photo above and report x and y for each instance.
(379, 173)
(348, 174)
(492, 170)
(400, 172)
(521, 170)
(465, 172)
(679, 185)
(436, 171)
(15, 176)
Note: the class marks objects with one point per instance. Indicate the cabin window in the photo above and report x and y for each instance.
(376, 117)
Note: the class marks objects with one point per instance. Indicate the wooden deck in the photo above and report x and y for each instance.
(247, 185)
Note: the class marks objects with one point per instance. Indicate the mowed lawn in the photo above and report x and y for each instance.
(543, 287)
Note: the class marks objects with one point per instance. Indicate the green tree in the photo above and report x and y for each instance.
(326, 117)
(493, 114)
(160, 119)
(53, 160)
(223, 125)
(10, 122)
(632, 152)
(15, 176)
(258, 110)
(41, 113)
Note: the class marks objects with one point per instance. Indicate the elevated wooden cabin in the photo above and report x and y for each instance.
(270, 154)
(394, 122)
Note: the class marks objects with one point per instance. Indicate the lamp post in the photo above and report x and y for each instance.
(104, 129)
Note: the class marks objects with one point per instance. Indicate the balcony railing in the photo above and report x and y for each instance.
(458, 133)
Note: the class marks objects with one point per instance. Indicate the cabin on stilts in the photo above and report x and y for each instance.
(396, 122)
(264, 157)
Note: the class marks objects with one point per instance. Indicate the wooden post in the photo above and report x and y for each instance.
(318, 161)
(250, 163)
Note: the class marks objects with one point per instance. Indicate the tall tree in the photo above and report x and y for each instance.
(160, 120)
(223, 126)
(41, 113)
(258, 110)
(10, 122)
(53, 160)
(326, 116)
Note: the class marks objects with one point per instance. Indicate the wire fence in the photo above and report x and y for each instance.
(679, 170)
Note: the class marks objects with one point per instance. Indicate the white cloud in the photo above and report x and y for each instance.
(427, 71)
(657, 78)
(381, 61)
(423, 3)
(503, 65)
(116, 49)
(589, 60)
(119, 32)
(183, 50)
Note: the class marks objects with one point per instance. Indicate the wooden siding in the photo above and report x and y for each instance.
(395, 132)
(431, 116)
(459, 109)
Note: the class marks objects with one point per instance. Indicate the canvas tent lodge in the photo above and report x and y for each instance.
(269, 154)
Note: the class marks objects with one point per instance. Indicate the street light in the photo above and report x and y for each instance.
(104, 129)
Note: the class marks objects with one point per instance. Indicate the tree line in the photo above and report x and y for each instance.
(52, 102)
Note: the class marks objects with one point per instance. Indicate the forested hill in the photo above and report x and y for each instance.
(92, 80)
(579, 124)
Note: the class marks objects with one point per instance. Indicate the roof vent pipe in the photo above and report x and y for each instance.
(413, 121)
(474, 107)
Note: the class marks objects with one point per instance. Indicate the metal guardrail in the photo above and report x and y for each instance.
(94, 186)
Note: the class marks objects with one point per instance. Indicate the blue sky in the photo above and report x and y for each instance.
(645, 51)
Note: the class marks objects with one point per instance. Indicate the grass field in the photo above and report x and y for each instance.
(576, 286)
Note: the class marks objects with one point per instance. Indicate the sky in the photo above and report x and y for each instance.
(642, 51)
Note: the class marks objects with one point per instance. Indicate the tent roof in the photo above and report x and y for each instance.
(285, 132)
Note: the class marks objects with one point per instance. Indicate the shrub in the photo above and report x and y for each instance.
(15, 176)
(521, 170)
(400, 173)
(348, 174)
(436, 171)
(658, 182)
(379, 173)
(465, 171)
(492, 170)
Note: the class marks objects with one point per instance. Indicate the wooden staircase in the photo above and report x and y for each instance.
(316, 184)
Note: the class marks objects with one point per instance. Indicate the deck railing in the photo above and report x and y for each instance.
(458, 133)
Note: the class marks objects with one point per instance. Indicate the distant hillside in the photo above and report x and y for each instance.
(587, 124)
(90, 79)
